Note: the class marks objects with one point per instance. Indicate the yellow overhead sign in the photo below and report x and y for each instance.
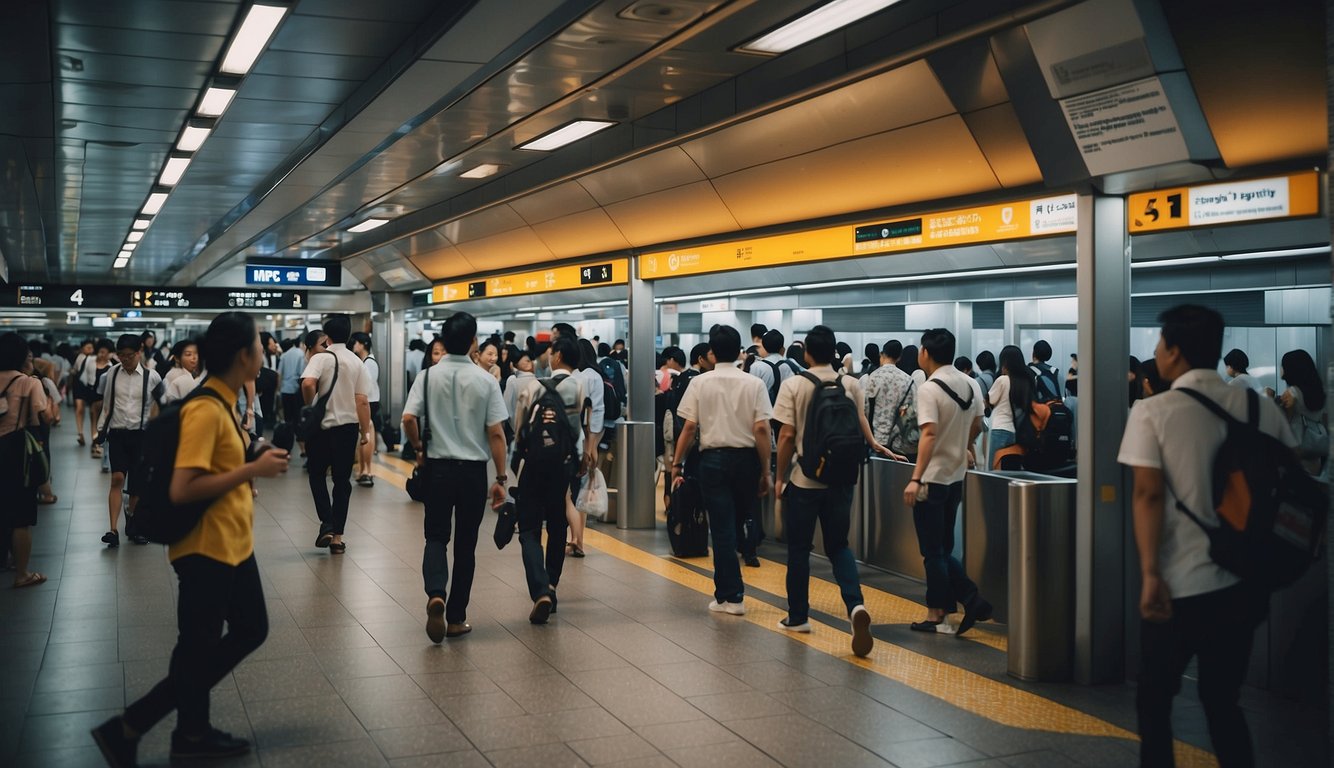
(1207, 205)
(963, 226)
(606, 272)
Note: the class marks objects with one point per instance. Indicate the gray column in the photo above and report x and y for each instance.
(637, 463)
(1102, 252)
(963, 329)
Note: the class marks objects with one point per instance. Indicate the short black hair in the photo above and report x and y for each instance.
(1195, 330)
(567, 348)
(509, 337)
(360, 337)
(338, 328)
(725, 341)
(604, 349)
(459, 333)
(963, 364)
(1042, 350)
(821, 345)
(1237, 361)
(939, 345)
(757, 330)
(565, 329)
(104, 343)
(772, 341)
(287, 344)
(129, 341)
(986, 360)
(892, 350)
(674, 354)
(313, 338)
(226, 337)
(618, 341)
(700, 350)
(13, 352)
(146, 335)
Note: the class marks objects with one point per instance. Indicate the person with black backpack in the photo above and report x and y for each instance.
(731, 411)
(1191, 604)
(949, 411)
(824, 428)
(771, 366)
(550, 435)
(1048, 383)
(215, 561)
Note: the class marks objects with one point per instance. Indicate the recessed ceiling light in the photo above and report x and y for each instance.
(141, 224)
(155, 203)
(481, 171)
(193, 137)
(120, 263)
(817, 23)
(259, 25)
(566, 134)
(173, 170)
(134, 237)
(216, 100)
(368, 225)
(129, 247)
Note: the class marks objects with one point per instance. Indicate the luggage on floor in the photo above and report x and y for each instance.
(687, 523)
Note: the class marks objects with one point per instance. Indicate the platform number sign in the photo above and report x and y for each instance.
(477, 290)
(594, 274)
(1152, 212)
(76, 297)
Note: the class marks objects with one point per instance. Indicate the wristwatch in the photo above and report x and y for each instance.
(502, 479)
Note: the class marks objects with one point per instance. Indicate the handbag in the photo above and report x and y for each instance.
(308, 424)
(36, 469)
(416, 485)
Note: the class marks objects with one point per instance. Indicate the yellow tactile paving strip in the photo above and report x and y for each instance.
(959, 687)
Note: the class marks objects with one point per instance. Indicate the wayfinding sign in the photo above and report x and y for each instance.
(306, 272)
(945, 229)
(551, 280)
(1230, 202)
(136, 298)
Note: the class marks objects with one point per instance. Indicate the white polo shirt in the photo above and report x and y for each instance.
(131, 409)
(1173, 433)
(725, 403)
(949, 457)
(595, 390)
(373, 368)
(794, 401)
(353, 380)
(462, 402)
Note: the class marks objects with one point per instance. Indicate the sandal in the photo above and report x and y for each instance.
(33, 580)
(81, 442)
(338, 548)
(47, 498)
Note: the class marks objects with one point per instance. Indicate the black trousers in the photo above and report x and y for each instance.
(292, 407)
(455, 498)
(542, 499)
(1218, 629)
(211, 593)
(334, 449)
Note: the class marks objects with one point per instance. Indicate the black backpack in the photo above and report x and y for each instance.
(615, 375)
(832, 446)
(611, 403)
(308, 423)
(687, 522)
(1271, 513)
(1048, 387)
(676, 394)
(1051, 446)
(546, 442)
(156, 517)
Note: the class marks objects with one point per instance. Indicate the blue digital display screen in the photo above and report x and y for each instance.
(305, 272)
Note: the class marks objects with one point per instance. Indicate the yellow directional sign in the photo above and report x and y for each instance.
(1230, 202)
(551, 280)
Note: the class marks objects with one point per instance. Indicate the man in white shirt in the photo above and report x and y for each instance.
(463, 414)
(731, 411)
(361, 347)
(348, 410)
(130, 392)
(949, 412)
(1190, 605)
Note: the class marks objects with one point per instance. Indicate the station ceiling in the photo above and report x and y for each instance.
(360, 109)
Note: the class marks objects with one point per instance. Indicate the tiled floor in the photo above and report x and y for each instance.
(632, 670)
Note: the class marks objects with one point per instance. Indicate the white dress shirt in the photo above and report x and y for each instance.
(353, 379)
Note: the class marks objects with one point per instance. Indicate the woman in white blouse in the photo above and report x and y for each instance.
(184, 374)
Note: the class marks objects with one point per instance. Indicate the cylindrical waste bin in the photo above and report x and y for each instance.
(636, 469)
(1042, 580)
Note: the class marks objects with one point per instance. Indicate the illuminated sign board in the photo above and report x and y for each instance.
(609, 272)
(946, 229)
(306, 272)
(1230, 202)
(126, 297)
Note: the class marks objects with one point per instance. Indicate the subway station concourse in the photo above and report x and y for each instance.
(1050, 174)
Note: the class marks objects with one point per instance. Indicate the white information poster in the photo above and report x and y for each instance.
(1125, 127)
(1239, 201)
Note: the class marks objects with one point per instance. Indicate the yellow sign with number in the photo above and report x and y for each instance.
(608, 272)
(1230, 202)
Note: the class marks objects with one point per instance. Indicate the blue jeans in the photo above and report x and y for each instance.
(934, 518)
(1000, 438)
(729, 481)
(802, 507)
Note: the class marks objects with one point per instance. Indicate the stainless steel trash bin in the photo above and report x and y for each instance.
(636, 468)
(1042, 579)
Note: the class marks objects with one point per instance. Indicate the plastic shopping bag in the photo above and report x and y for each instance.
(593, 497)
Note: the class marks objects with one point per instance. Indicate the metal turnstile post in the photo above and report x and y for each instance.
(1042, 580)
(636, 469)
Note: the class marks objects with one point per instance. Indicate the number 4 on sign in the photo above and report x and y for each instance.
(1173, 207)
(77, 297)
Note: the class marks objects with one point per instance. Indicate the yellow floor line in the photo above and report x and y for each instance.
(959, 687)
(390, 474)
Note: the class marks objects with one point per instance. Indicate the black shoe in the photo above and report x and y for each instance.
(752, 561)
(139, 539)
(541, 610)
(322, 541)
(119, 750)
(981, 611)
(111, 539)
(554, 603)
(216, 744)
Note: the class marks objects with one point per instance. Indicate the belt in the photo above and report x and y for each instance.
(457, 462)
(751, 449)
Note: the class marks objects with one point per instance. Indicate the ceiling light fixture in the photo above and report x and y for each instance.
(817, 23)
(173, 170)
(141, 224)
(134, 237)
(128, 247)
(194, 134)
(1277, 254)
(481, 171)
(942, 276)
(566, 134)
(368, 225)
(120, 263)
(154, 203)
(250, 40)
(216, 100)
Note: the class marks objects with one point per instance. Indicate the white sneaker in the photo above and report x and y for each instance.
(735, 609)
(946, 628)
(804, 627)
(862, 641)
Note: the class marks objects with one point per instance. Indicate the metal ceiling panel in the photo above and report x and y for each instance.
(508, 249)
(367, 35)
(467, 42)
(970, 76)
(927, 161)
(670, 167)
(579, 234)
(484, 223)
(998, 133)
(150, 15)
(673, 214)
(561, 200)
(197, 39)
(330, 64)
(904, 96)
(291, 88)
(444, 262)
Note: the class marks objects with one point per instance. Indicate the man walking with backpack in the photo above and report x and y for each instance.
(130, 392)
(463, 414)
(731, 411)
(1190, 605)
(771, 367)
(949, 412)
(548, 452)
(824, 428)
(1048, 384)
(891, 403)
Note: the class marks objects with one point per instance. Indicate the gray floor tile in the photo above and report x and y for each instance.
(801, 741)
(546, 755)
(467, 682)
(508, 732)
(80, 678)
(76, 701)
(580, 724)
(770, 675)
(546, 693)
(282, 679)
(927, 753)
(739, 706)
(294, 722)
(464, 759)
(613, 749)
(388, 688)
(356, 662)
(62, 731)
(697, 733)
(732, 754)
(379, 714)
(478, 706)
(695, 678)
(420, 740)
(634, 697)
(339, 754)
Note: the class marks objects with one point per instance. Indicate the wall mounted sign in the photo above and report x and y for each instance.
(307, 272)
(551, 280)
(1230, 202)
(127, 297)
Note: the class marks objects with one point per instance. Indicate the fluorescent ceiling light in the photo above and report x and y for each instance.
(250, 40)
(216, 101)
(1278, 254)
(481, 171)
(817, 23)
(192, 138)
(173, 170)
(134, 237)
(129, 247)
(941, 276)
(566, 134)
(141, 224)
(748, 291)
(120, 263)
(155, 203)
(368, 225)
(1186, 262)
